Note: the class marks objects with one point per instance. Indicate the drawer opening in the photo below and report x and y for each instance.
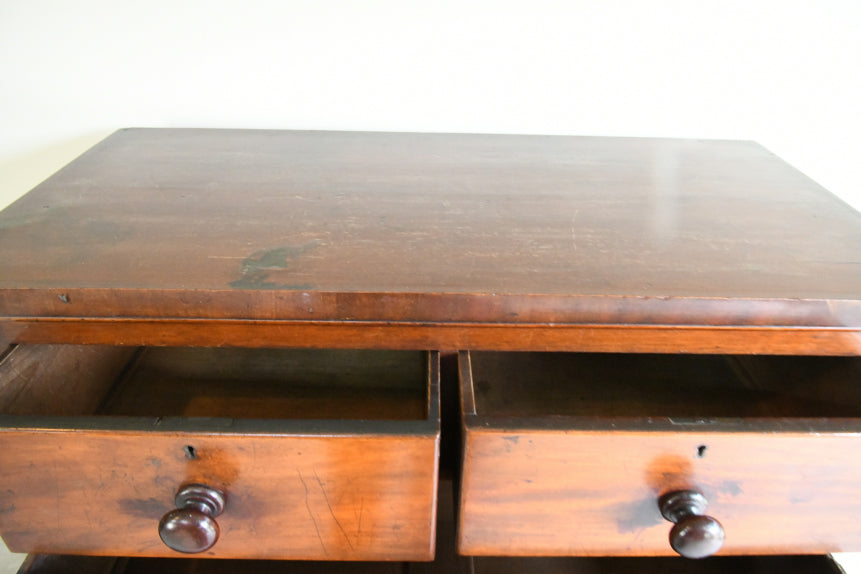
(72, 380)
(304, 445)
(527, 384)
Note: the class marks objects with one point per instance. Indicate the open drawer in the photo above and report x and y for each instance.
(570, 454)
(307, 454)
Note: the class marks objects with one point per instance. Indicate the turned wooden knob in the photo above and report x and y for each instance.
(191, 527)
(694, 534)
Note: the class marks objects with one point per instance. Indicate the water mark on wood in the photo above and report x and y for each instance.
(261, 269)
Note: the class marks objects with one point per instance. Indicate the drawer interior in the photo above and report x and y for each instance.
(214, 382)
(652, 385)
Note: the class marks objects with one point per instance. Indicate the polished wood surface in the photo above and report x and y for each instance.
(430, 229)
(339, 489)
(329, 240)
(554, 467)
(445, 562)
(388, 335)
(288, 497)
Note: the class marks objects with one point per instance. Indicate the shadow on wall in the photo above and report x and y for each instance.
(21, 172)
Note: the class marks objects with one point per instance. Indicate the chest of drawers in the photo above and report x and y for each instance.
(228, 342)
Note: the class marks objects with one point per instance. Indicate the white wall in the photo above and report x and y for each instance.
(781, 72)
(784, 73)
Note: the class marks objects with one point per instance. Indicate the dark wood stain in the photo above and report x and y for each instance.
(617, 246)
(595, 453)
(258, 268)
(354, 484)
(145, 509)
(730, 487)
(636, 516)
(431, 230)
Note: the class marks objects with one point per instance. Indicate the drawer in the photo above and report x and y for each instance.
(328, 455)
(717, 565)
(61, 564)
(569, 454)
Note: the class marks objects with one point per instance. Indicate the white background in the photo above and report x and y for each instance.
(780, 72)
(783, 73)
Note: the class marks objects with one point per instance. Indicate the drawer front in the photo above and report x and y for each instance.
(333, 497)
(541, 479)
(569, 493)
(318, 455)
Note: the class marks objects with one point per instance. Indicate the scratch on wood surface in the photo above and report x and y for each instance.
(311, 513)
(332, 512)
(59, 503)
(361, 513)
(574, 229)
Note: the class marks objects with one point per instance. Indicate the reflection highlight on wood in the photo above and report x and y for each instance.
(425, 230)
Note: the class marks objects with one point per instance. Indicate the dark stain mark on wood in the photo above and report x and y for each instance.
(258, 268)
(244, 506)
(730, 487)
(637, 516)
(148, 508)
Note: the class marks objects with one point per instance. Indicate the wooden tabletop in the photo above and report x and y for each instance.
(430, 229)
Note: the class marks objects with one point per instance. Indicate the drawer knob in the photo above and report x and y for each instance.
(191, 527)
(694, 534)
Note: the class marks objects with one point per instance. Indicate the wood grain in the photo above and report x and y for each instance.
(288, 497)
(560, 484)
(624, 385)
(580, 493)
(339, 489)
(430, 229)
(58, 379)
(411, 336)
(445, 562)
(274, 384)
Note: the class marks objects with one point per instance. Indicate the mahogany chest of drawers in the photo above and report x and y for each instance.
(272, 345)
